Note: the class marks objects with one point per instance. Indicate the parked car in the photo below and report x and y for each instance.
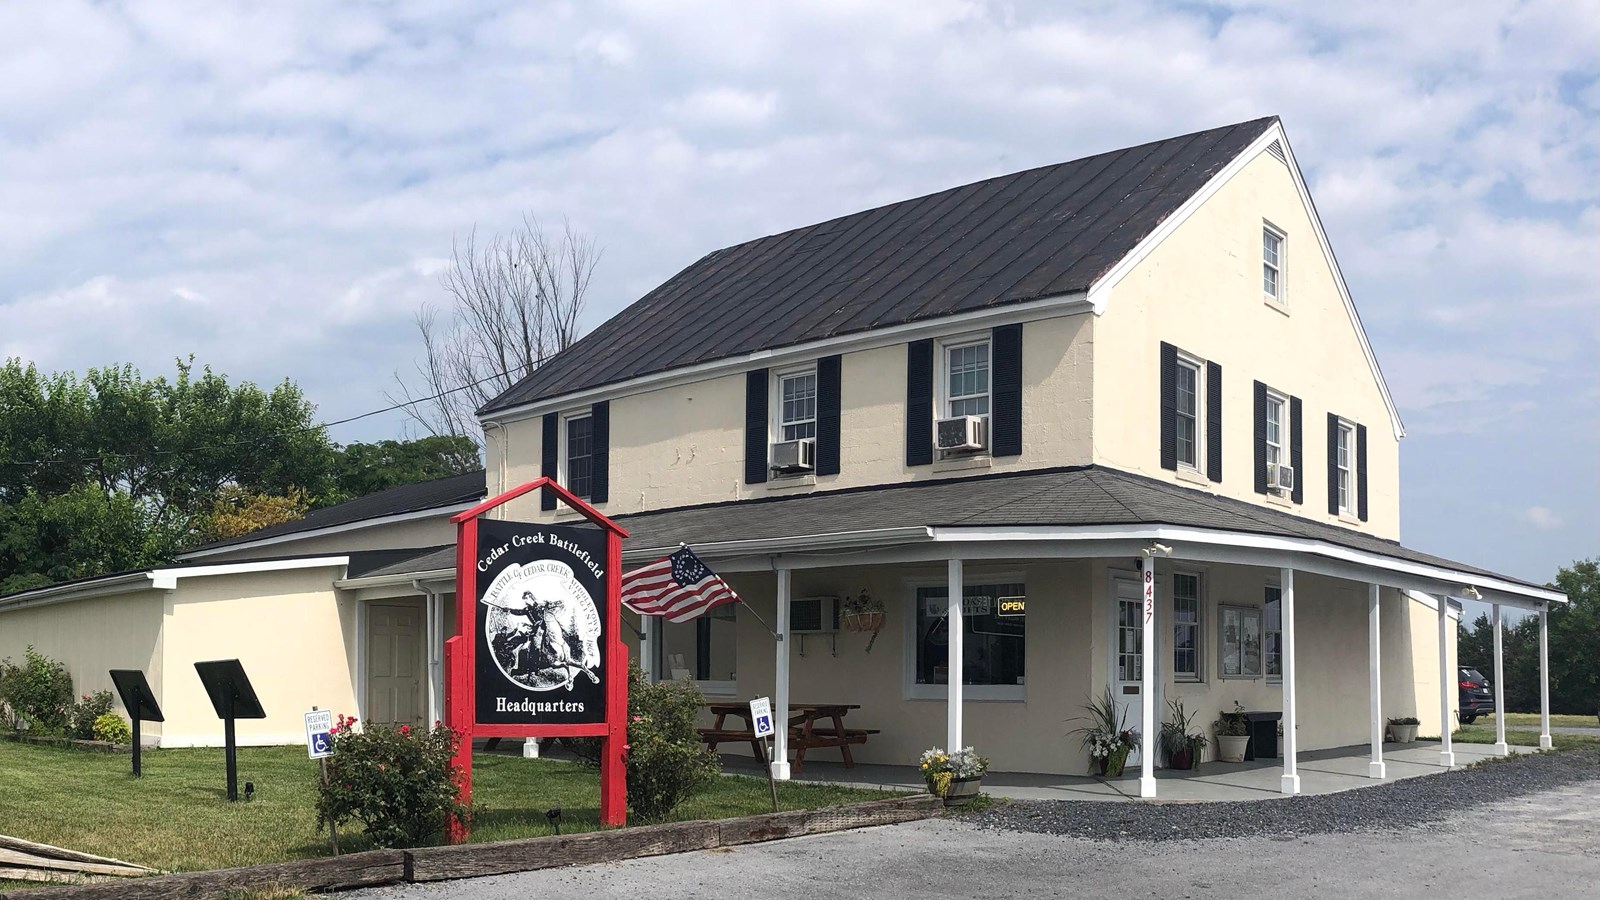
(1477, 696)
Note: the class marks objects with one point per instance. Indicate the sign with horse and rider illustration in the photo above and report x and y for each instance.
(538, 649)
(540, 616)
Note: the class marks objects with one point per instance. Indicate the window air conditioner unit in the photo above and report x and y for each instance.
(794, 456)
(813, 615)
(962, 433)
(1280, 478)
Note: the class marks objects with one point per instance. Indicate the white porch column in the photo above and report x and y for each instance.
(780, 700)
(1447, 684)
(1544, 677)
(1291, 777)
(1500, 746)
(955, 664)
(1375, 768)
(647, 646)
(1147, 680)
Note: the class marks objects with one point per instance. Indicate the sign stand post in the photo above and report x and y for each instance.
(319, 746)
(232, 698)
(140, 702)
(550, 650)
(762, 727)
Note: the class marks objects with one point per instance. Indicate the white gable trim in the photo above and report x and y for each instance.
(161, 579)
(1100, 291)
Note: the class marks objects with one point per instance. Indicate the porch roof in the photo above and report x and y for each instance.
(887, 515)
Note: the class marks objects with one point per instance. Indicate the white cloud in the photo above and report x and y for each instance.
(265, 184)
(1543, 518)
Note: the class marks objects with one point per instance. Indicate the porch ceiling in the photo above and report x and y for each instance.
(1065, 503)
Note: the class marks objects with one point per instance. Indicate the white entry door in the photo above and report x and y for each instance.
(1127, 653)
(394, 663)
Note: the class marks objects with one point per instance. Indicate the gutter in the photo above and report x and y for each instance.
(165, 579)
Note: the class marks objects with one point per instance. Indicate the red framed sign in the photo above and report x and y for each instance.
(538, 646)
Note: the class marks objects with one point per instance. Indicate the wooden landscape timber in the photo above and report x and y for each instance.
(425, 864)
(22, 860)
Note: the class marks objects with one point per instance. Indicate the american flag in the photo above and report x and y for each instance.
(678, 588)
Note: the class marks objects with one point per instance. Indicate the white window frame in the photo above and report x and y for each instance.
(563, 469)
(942, 398)
(988, 693)
(777, 424)
(1245, 613)
(1285, 450)
(710, 687)
(1198, 366)
(1199, 673)
(1346, 447)
(1279, 270)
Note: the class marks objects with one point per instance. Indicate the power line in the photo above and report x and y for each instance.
(300, 430)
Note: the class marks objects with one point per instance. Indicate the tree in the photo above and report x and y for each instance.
(112, 471)
(237, 512)
(362, 469)
(1575, 640)
(514, 303)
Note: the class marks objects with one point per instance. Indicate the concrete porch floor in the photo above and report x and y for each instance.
(1321, 772)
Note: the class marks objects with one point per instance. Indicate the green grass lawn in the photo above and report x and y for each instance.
(177, 818)
(1531, 720)
(1484, 734)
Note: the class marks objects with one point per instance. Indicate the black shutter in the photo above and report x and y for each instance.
(1333, 464)
(1213, 421)
(755, 427)
(1296, 455)
(600, 466)
(919, 403)
(1261, 437)
(828, 415)
(1169, 406)
(1361, 472)
(1005, 416)
(549, 453)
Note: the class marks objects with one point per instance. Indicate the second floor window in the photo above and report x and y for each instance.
(1188, 413)
(1276, 445)
(1346, 464)
(797, 406)
(966, 379)
(579, 459)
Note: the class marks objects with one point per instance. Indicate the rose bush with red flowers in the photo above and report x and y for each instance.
(398, 782)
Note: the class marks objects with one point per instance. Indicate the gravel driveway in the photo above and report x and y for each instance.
(1542, 844)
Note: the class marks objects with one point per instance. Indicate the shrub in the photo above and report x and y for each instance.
(112, 728)
(37, 694)
(398, 782)
(86, 712)
(666, 762)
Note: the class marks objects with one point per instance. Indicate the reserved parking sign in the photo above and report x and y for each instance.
(319, 736)
(761, 717)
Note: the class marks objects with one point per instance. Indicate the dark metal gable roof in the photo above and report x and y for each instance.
(1033, 234)
(438, 493)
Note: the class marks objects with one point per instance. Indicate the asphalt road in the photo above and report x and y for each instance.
(1544, 845)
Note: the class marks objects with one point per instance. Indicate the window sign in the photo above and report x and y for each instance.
(995, 646)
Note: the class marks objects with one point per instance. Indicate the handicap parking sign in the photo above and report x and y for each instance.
(761, 717)
(319, 734)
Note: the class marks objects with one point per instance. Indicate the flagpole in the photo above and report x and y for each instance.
(752, 610)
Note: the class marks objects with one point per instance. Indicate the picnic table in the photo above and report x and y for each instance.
(811, 725)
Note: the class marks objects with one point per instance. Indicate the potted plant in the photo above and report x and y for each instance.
(957, 777)
(1106, 735)
(862, 613)
(1404, 729)
(1233, 734)
(1180, 742)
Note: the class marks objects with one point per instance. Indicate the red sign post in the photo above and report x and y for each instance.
(462, 710)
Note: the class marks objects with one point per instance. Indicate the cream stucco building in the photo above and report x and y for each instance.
(1049, 389)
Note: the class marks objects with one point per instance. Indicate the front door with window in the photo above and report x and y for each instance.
(394, 663)
(1128, 658)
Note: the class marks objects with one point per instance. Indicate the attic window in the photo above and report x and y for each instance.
(1273, 245)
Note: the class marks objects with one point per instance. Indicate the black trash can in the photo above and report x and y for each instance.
(1263, 734)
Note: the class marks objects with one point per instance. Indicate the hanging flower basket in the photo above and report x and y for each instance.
(862, 621)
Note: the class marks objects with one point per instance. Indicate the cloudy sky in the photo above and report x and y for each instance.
(272, 187)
